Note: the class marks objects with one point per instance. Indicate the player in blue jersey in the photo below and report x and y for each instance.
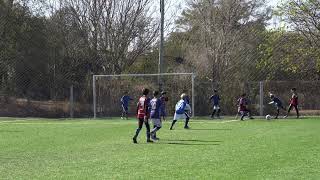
(155, 115)
(215, 99)
(180, 111)
(164, 99)
(277, 103)
(125, 99)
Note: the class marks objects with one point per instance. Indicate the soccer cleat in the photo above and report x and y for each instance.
(149, 141)
(134, 140)
(285, 116)
(154, 138)
(186, 127)
(251, 118)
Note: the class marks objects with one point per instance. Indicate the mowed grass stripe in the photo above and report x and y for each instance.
(97, 149)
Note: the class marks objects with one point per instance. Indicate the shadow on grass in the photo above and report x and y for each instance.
(210, 129)
(191, 140)
(187, 144)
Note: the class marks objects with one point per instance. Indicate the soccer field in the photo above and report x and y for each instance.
(103, 149)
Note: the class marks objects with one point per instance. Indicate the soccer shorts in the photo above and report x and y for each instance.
(179, 116)
(124, 108)
(216, 107)
(156, 122)
(279, 106)
(163, 112)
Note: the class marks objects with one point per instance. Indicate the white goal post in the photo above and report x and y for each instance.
(96, 77)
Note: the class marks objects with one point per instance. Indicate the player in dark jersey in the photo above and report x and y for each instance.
(124, 104)
(243, 107)
(155, 115)
(293, 103)
(277, 103)
(143, 110)
(163, 99)
(215, 99)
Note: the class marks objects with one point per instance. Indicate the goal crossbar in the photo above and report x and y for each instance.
(140, 75)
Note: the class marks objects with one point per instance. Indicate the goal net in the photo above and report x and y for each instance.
(108, 90)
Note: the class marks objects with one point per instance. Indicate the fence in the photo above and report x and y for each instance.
(77, 101)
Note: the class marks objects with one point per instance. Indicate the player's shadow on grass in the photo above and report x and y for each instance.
(185, 142)
(210, 129)
(191, 140)
(188, 144)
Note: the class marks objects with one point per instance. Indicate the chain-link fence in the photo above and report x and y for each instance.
(77, 100)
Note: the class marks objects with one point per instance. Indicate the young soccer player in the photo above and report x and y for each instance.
(180, 111)
(143, 115)
(163, 99)
(243, 109)
(215, 99)
(293, 103)
(277, 103)
(155, 115)
(124, 104)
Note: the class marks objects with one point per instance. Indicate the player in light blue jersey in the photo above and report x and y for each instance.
(180, 111)
(155, 115)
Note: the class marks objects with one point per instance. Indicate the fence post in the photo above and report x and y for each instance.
(261, 98)
(71, 102)
(193, 94)
(94, 97)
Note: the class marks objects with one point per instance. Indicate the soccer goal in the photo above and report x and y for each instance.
(108, 90)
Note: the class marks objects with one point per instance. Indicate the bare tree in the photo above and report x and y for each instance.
(221, 29)
(116, 31)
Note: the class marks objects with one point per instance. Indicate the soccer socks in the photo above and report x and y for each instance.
(172, 124)
(148, 131)
(137, 133)
(154, 133)
(218, 113)
(278, 112)
(187, 122)
(214, 112)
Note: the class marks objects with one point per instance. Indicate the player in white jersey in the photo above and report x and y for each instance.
(180, 111)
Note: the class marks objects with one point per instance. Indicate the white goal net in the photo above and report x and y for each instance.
(108, 90)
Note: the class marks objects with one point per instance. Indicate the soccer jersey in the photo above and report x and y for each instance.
(125, 101)
(276, 101)
(155, 105)
(143, 107)
(180, 107)
(243, 104)
(294, 100)
(215, 100)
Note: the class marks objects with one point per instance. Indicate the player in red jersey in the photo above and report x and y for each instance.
(243, 107)
(293, 102)
(143, 113)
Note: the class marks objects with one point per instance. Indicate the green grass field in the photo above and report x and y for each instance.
(103, 149)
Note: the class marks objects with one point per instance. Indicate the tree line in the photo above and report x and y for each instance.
(47, 46)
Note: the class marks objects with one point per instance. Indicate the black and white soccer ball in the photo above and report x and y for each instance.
(268, 117)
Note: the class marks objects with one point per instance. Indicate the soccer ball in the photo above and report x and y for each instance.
(268, 117)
